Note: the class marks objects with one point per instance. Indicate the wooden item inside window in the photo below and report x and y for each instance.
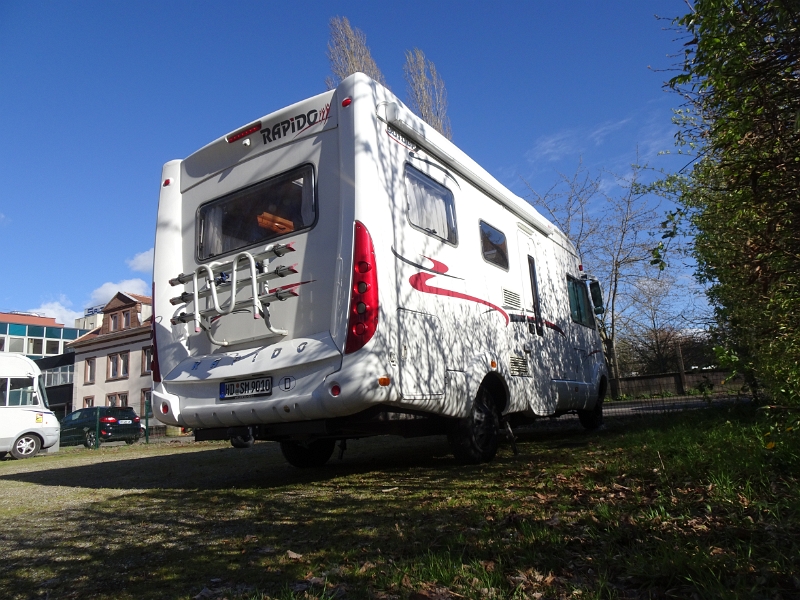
(275, 223)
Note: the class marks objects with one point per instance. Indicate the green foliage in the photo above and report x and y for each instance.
(741, 80)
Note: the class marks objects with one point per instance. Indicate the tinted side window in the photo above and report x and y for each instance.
(430, 206)
(494, 246)
(579, 305)
(280, 205)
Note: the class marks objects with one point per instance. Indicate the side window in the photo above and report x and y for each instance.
(430, 206)
(579, 305)
(494, 246)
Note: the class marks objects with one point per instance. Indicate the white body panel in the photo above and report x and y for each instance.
(448, 319)
(23, 411)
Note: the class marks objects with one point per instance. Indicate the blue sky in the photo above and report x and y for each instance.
(96, 96)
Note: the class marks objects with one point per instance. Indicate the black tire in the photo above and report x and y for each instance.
(474, 439)
(311, 454)
(130, 441)
(25, 446)
(592, 418)
(239, 441)
(3, 454)
(88, 439)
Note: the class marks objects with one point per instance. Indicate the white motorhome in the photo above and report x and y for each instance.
(338, 269)
(27, 425)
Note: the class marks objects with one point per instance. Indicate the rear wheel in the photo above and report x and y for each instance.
(593, 418)
(305, 455)
(89, 439)
(25, 446)
(240, 441)
(3, 454)
(474, 439)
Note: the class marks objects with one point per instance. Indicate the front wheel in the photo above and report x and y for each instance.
(311, 454)
(89, 439)
(474, 439)
(593, 418)
(25, 446)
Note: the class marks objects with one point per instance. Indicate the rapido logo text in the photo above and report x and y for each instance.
(296, 125)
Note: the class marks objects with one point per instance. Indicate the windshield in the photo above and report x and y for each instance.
(17, 391)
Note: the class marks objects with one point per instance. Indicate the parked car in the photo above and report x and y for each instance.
(117, 423)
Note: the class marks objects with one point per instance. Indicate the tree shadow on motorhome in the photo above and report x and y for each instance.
(598, 519)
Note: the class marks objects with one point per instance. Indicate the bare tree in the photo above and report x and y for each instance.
(570, 205)
(348, 53)
(613, 234)
(427, 95)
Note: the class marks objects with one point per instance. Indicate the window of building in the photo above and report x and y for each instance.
(580, 307)
(430, 206)
(88, 374)
(35, 346)
(16, 344)
(126, 319)
(146, 407)
(58, 376)
(51, 346)
(120, 399)
(147, 359)
(88, 402)
(494, 246)
(114, 322)
(118, 365)
(267, 210)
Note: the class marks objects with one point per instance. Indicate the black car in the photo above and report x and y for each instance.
(115, 424)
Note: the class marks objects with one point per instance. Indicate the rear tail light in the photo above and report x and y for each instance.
(108, 420)
(363, 319)
(155, 370)
(136, 419)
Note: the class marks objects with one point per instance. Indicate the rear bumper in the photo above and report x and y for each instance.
(303, 372)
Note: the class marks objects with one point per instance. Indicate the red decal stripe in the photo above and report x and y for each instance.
(420, 283)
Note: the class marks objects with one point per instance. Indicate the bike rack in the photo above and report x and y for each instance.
(224, 276)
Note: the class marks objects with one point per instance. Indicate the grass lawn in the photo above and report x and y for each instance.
(703, 504)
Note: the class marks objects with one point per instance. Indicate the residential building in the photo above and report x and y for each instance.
(36, 336)
(112, 362)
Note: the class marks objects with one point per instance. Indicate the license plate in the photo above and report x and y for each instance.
(260, 386)
(125, 422)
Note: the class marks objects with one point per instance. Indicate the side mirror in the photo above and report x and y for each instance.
(597, 297)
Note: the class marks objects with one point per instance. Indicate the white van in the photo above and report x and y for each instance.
(27, 425)
(338, 269)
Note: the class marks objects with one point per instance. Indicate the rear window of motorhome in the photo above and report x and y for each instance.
(278, 206)
(17, 391)
(493, 246)
(579, 305)
(430, 206)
